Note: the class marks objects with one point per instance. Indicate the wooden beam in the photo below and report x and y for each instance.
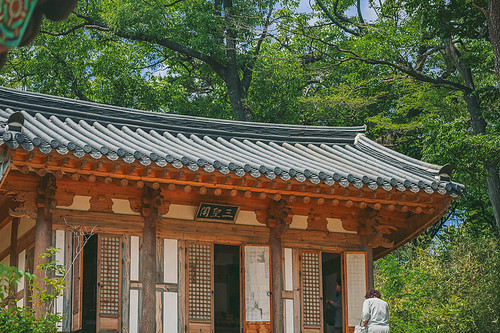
(298, 190)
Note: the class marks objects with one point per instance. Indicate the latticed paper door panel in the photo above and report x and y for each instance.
(257, 289)
(200, 286)
(356, 285)
(311, 291)
(108, 279)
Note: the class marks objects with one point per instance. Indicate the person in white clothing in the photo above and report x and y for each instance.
(375, 313)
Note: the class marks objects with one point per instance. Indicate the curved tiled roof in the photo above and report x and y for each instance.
(318, 154)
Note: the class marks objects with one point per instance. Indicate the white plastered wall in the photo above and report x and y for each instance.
(80, 202)
(25, 225)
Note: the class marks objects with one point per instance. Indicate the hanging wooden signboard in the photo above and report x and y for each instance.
(217, 213)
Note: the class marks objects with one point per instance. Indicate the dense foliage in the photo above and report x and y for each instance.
(448, 284)
(16, 319)
(419, 73)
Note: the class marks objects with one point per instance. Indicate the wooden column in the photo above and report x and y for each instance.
(278, 220)
(13, 256)
(277, 283)
(45, 202)
(369, 258)
(151, 201)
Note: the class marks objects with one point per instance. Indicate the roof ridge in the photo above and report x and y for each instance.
(62, 107)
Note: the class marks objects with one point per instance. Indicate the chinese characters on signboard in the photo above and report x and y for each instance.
(217, 213)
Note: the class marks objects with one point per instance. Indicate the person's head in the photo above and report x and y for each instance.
(338, 288)
(373, 293)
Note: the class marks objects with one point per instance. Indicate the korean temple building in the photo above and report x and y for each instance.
(171, 223)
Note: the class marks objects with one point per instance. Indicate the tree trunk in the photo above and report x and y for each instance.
(494, 29)
(479, 127)
(494, 191)
(231, 75)
(236, 96)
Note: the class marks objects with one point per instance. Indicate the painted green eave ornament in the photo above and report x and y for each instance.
(20, 20)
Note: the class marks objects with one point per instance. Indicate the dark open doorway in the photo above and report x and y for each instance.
(332, 292)
(89, 293)
(227, 288)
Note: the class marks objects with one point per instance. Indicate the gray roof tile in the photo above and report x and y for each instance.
(318, 154)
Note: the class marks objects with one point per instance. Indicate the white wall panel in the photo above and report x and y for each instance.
(134, 311)
(21, 264)
(288, 315)
(170, 260)
(134, 258)
(59, 244)
(170, 312)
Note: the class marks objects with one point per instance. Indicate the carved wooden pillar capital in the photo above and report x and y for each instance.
(151, 204)
(46, 193)
(277, 217)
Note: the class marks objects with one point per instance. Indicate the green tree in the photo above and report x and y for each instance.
(439, 44)
(448, 284)
(205, 44)
(14, 319)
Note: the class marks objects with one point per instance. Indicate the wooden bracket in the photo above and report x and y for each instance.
(278, 217)
(25, 204)
(46, 192)
(316, 222)
(151, 202)
(372, 227)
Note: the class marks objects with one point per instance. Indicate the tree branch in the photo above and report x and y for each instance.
(143, 37)
(360, 15)
(334, 20)
(248, 71)
(404, 69)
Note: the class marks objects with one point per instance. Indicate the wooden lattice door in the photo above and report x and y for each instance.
(200, 287)
(108, 283)
(312, 301)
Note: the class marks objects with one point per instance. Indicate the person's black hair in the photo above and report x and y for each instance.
(373, 293)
